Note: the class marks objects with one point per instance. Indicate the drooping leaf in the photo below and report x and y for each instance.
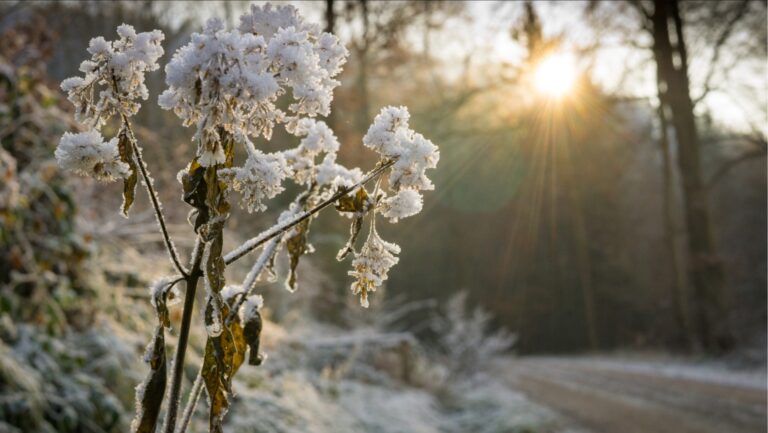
(358, 204)
(125, 148)
(150, 393)
(224, 355)
(252, 334)
(354, 232)
(297, 245)
(354, 203)
(195, 191)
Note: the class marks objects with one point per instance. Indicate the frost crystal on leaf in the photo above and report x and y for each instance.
(87, 154)
(250, 308)
(372, 264)
(114, 76)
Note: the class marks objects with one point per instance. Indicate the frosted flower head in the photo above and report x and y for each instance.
(259, 179)
(113, 81)
(317, 138)
(232, 79)
(266, 20)
(405, 203)
(371, 265)
(389, 127)
(392, 138)
(87, 154)
(417, 155)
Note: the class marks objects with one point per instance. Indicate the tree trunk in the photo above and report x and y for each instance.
(705, 269)
(679, 287)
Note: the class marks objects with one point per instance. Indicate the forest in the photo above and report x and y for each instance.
(383, 216)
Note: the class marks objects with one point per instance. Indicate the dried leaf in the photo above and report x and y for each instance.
(252, 334)
(223, 357)
(195, 191)
(354, 232)
(149, 394)
(297, 245)
(357, 203)
(125, 148)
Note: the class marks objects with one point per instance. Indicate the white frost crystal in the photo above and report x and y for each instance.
(372, 264)
(405, 203)
(250, 307)
(114, 76)
(231, 79)
(317, 138)
(391, 137)
(261, 178)
(87, 154)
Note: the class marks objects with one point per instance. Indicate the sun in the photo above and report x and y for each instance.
(555, 75)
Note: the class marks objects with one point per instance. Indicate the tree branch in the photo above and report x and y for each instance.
(717, 49)
(729, 165)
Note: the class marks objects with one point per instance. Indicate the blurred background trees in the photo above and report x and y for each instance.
(616, 199)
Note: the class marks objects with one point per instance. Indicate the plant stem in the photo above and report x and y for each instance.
(262, 261)
(255, 242)
(278, 229)
(194, 396)
(181, 347)
(153, 198)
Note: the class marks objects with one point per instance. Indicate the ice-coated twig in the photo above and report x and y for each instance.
(194, 397)
(278, 229)
(153, 198)
(249, 284)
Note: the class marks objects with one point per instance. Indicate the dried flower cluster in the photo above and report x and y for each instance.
(231, 79)
(228, 85)
(112, 85)
(87, 154)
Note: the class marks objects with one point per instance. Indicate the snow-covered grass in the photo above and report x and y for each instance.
(719, 371)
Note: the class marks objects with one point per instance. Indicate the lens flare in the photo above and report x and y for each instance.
(555, 75)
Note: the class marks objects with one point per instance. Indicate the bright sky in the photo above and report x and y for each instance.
(487, 38)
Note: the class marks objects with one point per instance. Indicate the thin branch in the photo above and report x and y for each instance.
(153, 198)
(717, 49)
(249, 285)
(278, 229)
(638, 5)
(181, 347)
(729, 165)
(194, 397)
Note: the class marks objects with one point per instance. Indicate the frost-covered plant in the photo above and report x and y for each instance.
(228, 85)
(466, 338)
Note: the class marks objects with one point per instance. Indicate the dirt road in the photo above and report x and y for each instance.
(608, 399)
